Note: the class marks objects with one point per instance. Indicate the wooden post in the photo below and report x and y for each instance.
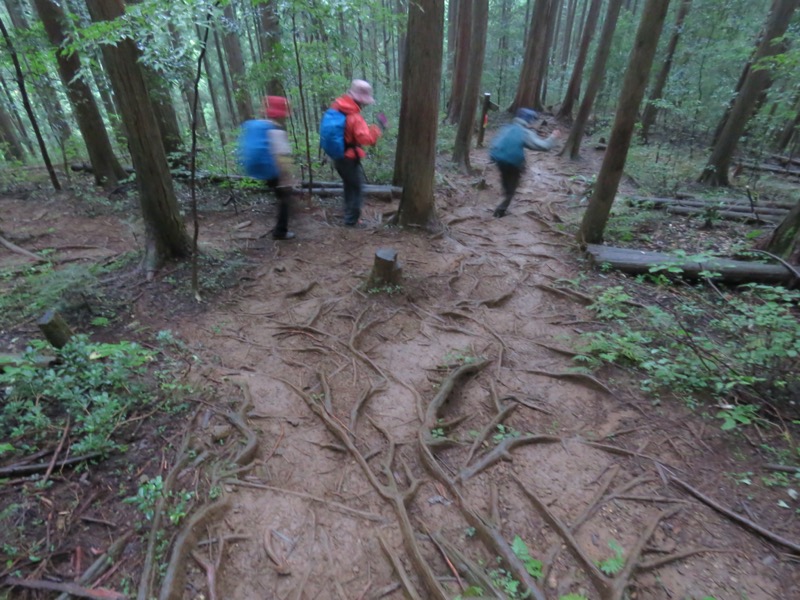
(55, 329)
(386, 270)
(487, 100)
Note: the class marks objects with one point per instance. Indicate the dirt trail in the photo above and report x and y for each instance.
(304, 333)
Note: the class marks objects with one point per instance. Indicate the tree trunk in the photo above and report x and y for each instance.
(631, 94)
(270, 39)
(785, 240)
(212, 92)
(419, 112)
(466, 122)
(574, 85)
(28, 108)
(40, 81)
(16, 120)
(461, 60)
(502, 48)
(11, 146)
(105, 166)
(187, 85)
(566, 41)
(233, 50)
(651, 110)
(573, 144)
(165, 232)
(755, 84)
(532, 74)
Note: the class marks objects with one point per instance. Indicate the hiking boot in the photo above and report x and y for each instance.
(499, 212)
(289, 235)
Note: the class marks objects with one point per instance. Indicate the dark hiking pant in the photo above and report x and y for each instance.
(349, 170)
(510, 176)
(283, 195)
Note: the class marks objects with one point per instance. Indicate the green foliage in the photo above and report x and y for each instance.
(94, 385)
(149, 494)
(573, 597)
(614, 564)
(532, 565)
(503, 432)
(740, 346)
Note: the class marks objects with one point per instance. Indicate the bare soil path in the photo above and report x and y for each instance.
(433, 439)
(361, 491)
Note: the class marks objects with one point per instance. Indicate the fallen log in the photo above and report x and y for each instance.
(731, 206)
(771, 169)
(382, 191)
(640, 262)
(691, 200)
(745, 217)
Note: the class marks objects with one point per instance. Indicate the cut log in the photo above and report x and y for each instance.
(640, 262)
(55, 329)
(386, 270)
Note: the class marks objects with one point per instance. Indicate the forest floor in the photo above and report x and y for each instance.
(428, 436)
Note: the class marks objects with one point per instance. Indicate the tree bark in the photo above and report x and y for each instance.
(573, 144)
(233, 50)
(419, 112)
(631, 94)
(756, 82)
(270, 41)
(466, 122)
(785, 240)
(651, 110)
(40, 81)
(28, 108)
(574, 85)
(461, 60)
(165, 232)
(12, 148)
(105, 166)
(533, 66)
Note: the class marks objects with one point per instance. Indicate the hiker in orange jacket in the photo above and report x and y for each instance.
(356, 134)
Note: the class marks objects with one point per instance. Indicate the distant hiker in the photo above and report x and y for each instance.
(508, 152)
(343, 132)
(265, 154)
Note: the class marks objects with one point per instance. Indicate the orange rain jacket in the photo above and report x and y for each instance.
(356, 131)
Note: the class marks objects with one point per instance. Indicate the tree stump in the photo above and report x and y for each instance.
(55, 329)
(386, 269)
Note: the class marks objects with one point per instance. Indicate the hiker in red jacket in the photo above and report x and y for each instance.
(356, 134)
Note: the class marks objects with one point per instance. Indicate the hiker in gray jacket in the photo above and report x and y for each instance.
(508, 152)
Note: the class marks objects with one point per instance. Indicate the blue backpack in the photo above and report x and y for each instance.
(255, 155)
(508, 146)
(331, 133)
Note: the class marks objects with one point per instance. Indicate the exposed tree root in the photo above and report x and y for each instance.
(571, 294)
(102, 564)
(72, 589)
(503, 452)
(665, 560)
(335, 506)
(172, 586)
(484, 434)
(594, 504)
(609, 589)
(389, 491)
(362, 401)
(409, 588)
(486, 532)
(474, 573)
(148, 569)
(583, 378)
(773, 537)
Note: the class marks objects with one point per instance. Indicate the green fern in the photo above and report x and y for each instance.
(613, 565)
